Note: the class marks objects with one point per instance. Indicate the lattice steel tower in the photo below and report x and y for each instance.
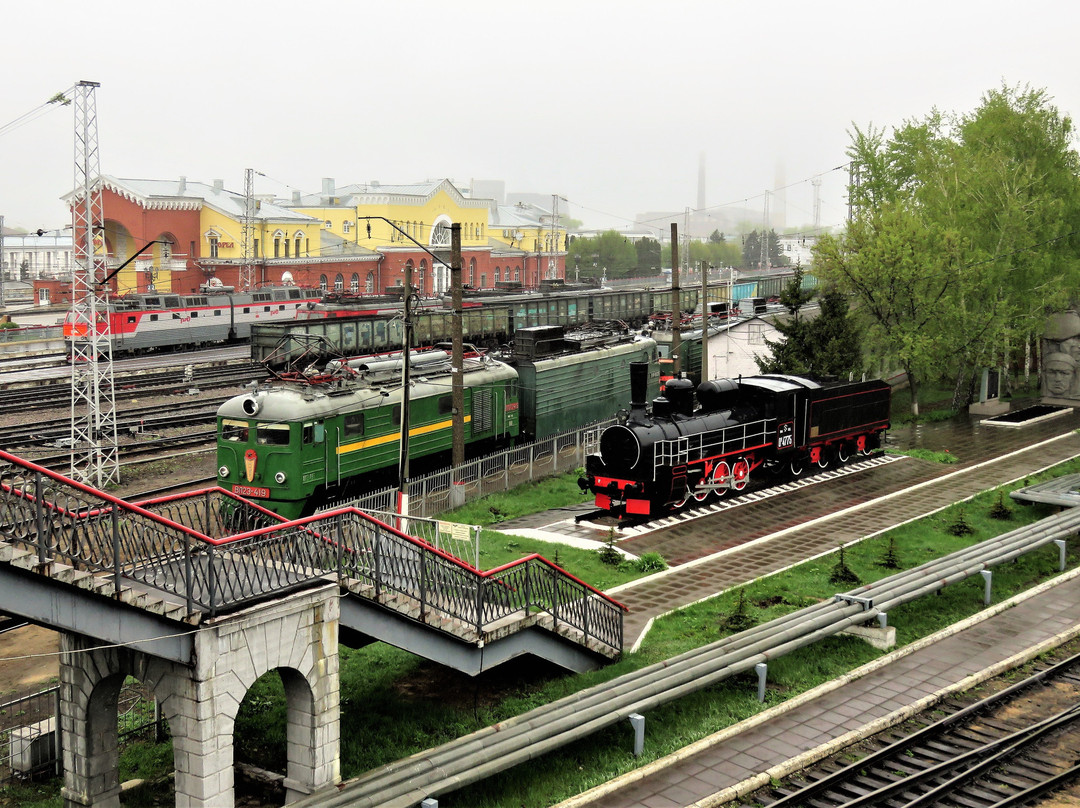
(247, 271)
(94, 458)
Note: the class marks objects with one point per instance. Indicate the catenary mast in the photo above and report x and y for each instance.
(247, 271)
(94, 456)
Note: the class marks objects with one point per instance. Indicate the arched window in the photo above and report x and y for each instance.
(420, 276)
(498, 274)
(354, 284)
(440, 231)
(472, 271)
(339, 283)
(369, 284)
(322, 284)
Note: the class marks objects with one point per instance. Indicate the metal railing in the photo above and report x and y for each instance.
(32, 333)
(714, 443)
(216, 551)
(30, 738)
(454, 538)
(446, 489)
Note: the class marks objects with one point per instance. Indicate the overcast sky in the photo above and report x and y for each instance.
(607, 104)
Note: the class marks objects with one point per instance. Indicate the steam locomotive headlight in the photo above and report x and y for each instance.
(280, 478)
(223, 471)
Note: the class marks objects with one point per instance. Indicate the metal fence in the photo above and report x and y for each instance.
(456, 539)
(444, 490)
(216, 551)
(33, 333)
(30, 730)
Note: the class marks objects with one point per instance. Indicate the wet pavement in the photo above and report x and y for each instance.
(772, 529)
(768, 530)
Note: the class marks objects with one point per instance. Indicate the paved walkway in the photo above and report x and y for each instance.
(781, 740)
(713, 552)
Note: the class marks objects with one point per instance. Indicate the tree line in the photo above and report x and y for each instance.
(615, 255)
(964, 237)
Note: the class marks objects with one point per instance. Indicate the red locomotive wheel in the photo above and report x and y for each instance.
(824, 457)
(740, 474)
(721, 476)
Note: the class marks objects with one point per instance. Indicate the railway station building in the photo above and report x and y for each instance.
(175, 235)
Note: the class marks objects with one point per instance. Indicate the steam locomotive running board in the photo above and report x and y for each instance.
(747, 497)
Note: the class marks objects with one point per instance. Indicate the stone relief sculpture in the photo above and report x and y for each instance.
(1061, 358)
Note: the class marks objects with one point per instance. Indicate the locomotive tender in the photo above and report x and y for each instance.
(314, 438)
(659, 459)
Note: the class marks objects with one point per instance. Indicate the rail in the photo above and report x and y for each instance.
(434, 493)
(524, 737)
(215, 552)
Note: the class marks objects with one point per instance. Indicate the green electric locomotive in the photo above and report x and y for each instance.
(315, 437)
(294, 444)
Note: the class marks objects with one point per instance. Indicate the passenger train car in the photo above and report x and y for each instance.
(151, 321)
(319, 436)
(681, 449)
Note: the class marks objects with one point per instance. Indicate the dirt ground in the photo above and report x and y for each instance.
(29, 657)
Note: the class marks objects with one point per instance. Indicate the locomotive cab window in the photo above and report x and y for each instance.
(272, 434)
(354, 424)
(314, 432)
(235, 431)
(446, 405)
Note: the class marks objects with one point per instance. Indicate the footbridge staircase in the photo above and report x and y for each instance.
(201, 593)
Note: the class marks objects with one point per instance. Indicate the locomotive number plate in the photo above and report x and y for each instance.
(250, 491)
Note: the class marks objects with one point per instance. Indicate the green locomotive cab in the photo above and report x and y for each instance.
(293, 446)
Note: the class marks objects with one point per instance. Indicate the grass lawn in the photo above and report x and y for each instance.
(395, 704)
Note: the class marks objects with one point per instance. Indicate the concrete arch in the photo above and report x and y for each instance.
(297, 636)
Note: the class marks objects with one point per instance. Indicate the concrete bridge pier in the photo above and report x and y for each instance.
(296, 635)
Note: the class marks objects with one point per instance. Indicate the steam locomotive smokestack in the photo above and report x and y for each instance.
(639, 389)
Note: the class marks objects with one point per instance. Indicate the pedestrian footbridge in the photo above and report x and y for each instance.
(199, 594)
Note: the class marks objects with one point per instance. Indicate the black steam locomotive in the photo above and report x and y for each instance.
(659, 459)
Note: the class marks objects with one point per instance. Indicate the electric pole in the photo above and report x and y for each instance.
(765, 235)
(705, 375)
(94, 456)
(406, 393)
(247, 271)
(457, 358)
(676, 304)
(816, 182)
(2, 261)
(553, 264)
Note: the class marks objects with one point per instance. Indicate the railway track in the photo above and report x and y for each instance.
(153, 419)
(1007, 749)
(45, 396)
